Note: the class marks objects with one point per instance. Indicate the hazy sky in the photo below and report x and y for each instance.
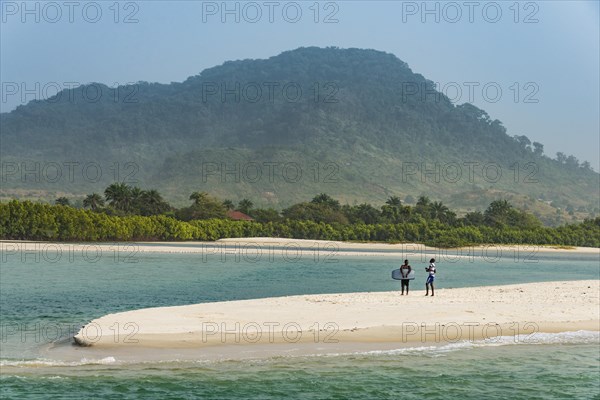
(544, 56)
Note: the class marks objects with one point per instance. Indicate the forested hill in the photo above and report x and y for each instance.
(357, 124)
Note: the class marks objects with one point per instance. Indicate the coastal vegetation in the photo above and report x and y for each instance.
(128, 213)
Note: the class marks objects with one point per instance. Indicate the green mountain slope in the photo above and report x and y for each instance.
(357, 124)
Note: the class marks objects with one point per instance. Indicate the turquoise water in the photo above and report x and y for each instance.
(62, 294)
(567, 371)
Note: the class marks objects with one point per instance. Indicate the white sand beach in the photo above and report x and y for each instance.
(375, 317)
(367, 246)
(250, 247)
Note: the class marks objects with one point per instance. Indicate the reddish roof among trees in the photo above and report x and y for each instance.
(238, 216)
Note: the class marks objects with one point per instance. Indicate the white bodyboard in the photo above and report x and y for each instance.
(396, 275)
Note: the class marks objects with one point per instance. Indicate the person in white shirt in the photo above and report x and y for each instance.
(431, 277)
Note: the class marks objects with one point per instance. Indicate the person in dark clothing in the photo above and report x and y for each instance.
(404, 271)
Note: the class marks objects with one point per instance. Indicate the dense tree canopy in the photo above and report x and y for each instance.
(147, 217)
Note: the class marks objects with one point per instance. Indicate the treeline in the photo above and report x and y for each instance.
(34, 221)
(122, 200)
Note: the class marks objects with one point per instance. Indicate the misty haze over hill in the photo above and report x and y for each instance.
(357, 124)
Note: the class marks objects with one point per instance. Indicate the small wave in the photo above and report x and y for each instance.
(538, 338)
(433, 350)
(56, 363)
(575, 337)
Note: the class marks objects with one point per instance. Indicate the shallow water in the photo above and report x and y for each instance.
(548, 371)
(45, 299)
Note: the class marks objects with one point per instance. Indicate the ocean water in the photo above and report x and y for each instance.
(46, 296)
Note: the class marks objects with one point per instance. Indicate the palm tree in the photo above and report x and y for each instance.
(394, 201)
(497, 213)
(228, 204)
(198, 197)
(423, 201)
(423, 207)
(245, 206)
(326, 200)
(119, 196)
(136, 194)
(393, 210)
(93, 201)
(204, 207)
(62, 201)
(438, 210)
(367, 213)
(136, 199)
(441, 212)
(152, 197)
(152, 203)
